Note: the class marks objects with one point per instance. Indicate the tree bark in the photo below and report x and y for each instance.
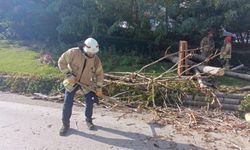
(197, 57)
(232, 96)
(245, 88)
(221, 99)
(237, 75)
(224, 106)
(214, 70)
(205, 69)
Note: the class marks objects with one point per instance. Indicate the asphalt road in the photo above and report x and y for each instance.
(34, 125)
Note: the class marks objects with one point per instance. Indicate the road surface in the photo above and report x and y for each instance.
(27, 124)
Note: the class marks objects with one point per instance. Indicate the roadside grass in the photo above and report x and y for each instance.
(130, 62)
(22, 60)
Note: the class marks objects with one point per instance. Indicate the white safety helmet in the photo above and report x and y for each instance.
(91, 46)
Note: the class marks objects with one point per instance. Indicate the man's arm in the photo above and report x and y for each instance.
(99, 78)
(63, 62)
(202, 42)
(212, 45)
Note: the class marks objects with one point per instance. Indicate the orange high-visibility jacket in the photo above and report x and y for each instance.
(226, 50)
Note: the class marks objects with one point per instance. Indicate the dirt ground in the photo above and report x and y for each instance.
(34, 124)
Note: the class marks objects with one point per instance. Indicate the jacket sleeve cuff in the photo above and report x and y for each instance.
(65, 71)
(98, 89)
(68, 74)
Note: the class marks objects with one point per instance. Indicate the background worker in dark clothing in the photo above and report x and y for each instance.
(207, 44)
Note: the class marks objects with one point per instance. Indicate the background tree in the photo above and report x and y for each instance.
(131, 22)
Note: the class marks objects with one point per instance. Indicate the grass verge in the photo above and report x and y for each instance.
(22, 60)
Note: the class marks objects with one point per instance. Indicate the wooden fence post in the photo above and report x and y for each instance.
(182, 60)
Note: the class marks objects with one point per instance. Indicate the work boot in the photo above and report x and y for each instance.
(90, 124)
(63, 130)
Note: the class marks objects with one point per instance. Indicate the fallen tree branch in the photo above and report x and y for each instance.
(45, 97)
(238, 67)
(223, 106)
(204, 69)
(237, 75)
(221, 99)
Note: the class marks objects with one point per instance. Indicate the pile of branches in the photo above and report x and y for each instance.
(201, 120)
(141, 89)
(164, 94)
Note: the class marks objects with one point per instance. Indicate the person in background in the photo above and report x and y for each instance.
(207, 44)
(226, 51)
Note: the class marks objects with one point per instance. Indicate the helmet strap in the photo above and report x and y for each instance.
(81, 48)
(86, 54)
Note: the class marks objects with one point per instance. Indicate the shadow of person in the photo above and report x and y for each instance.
(132, 140)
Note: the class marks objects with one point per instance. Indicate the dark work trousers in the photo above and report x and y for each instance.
(68, 104)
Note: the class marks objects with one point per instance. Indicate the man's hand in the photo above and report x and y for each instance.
(98, 93)
(69, 83)
(71, 78)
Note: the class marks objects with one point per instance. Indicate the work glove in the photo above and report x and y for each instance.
(71, 78)
(70, 82)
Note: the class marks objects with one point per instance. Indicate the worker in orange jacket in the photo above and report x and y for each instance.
(226, 52)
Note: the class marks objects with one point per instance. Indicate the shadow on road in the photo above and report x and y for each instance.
(132, 140)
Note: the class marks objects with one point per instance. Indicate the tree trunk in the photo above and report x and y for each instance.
(214, 70)
(211, 70)
(197, 57)
(245, 88)
(237, 75)
(224, 106)
(221, 99)
(232, 96)
(205, 69)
